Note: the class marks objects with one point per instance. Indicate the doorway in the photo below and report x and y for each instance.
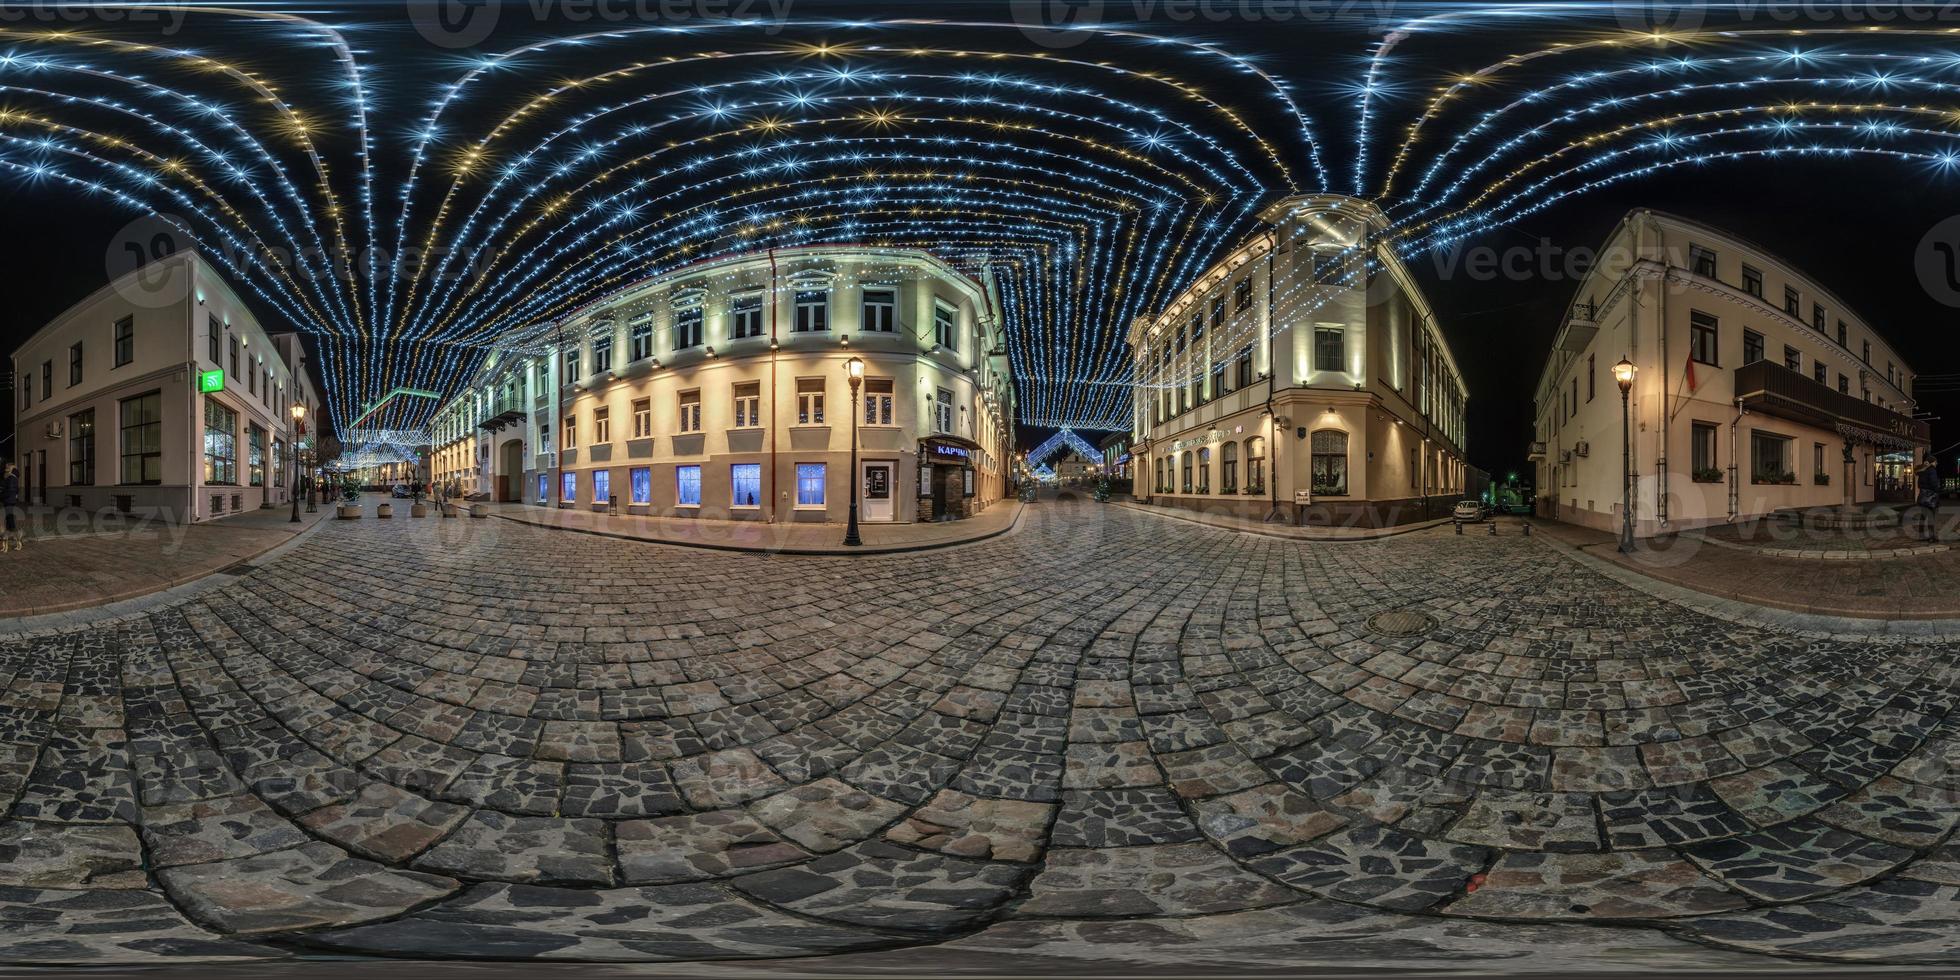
(510, 471)
(878, 502)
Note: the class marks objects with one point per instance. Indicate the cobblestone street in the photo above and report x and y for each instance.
(1105, 729)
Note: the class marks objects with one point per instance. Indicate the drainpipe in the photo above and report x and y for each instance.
(1735, 483)
(1660, 488)
(775, 421)
(1272, 383)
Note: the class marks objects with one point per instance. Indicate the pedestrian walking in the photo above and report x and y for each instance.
(1929, 497)
(10, 503)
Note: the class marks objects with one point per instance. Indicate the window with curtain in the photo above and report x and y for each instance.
(601, 486)
(640, 479)
(810, 484)
(745, 485)
(1330, 462)
(1228, 468)
(687, 486)
(1255, 464)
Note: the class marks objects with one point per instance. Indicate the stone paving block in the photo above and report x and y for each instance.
(1122, 817)
(1167, 879)
(385, 823)
(880, 885)
(692, 847)
(116, 927)
(1377, 865)
(1653, 884)
(826, 815)
(312, 886)
(213, 830)
(77, 856)
(968, 826)
(527, 850)
(1801, 859)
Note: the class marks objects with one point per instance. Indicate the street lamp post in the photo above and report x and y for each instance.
(1623, 373)
(855, 368)
(292, 439)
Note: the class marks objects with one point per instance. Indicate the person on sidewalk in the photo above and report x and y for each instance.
(1929, 497)
(10, 503)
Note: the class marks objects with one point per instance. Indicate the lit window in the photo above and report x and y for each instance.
(601, 486)
(571, 432)
(220, 443)
(745, 317)
(945, 326)
(1330, 462)
(880, 310)
(641, 479)
(943, 412)
(1329, 349)
(877, 401)
(810, 484)
(570, 485)
(745, 485)
(809, 401)
(643, 418)
(687, 486)
(601, 426)
(748, 404)
(690, 418)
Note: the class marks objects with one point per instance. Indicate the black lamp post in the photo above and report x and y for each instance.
(1623, 373)
(292, 439)
(855, 369)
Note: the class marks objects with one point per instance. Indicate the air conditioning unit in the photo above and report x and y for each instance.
(1565, 456)
(54, 430)
(1581, 448)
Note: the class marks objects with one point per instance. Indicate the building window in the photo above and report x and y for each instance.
(1844, 385)
(810, 488)
(571, 365)
(255, 456)
(278, 462)
(47, 380)
(1769, 458)
(880, 310)
(125, 340)
(220, 443)
(1328, 348)
(569, 489)
(214, 332)
(1218, 379)
(232, 350)
(1702, 337)
(812, 310)
(1217, 311)
(602, 354)
(1866, 353)
(1228, 468)
(1843, 339)
(1752, 281)
(1186, 457)
(1255, 464)
(1330, 464)
(745, 317)
(640, 338)
(1702, 261)
(1820, 372)
(639, 481)
(942, 417)
(544, 487)
(1245, 368)
(1818, 319)
(1792, 359)
(1183, 340)
(74, 364)
(1752, 347)
(571, 432)
(687, 328)
(1817, 472)
(643, 418)
(1204, 470)
(601, 426)
(1792, 303)
(748, 404)
(81, 449)
(878, 401)
(1161, 486)
(1704, 465)
(745, 485)
(142, 439)
(602, 486)
(1242, 295)
(945, 326)
(687, 486)
(809, 401)
(690, 417)
(1197, 326)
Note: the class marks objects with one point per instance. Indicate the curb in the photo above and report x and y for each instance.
(1381, 535)
(839, 552)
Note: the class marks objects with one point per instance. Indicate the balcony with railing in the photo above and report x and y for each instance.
(1772, 389)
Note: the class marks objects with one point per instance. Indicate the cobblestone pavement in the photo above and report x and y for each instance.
(1107, 729)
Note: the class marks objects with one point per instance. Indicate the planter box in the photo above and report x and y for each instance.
(418, 510)
(384, 510)
(348, 512)
(479, 511)
(448, 510)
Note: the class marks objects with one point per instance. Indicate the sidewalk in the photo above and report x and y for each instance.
(1295, 532)
(782, 539)
(71, 563)
(1920, 586)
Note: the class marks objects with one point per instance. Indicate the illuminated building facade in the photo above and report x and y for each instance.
(1755, 389)
(1302, 377)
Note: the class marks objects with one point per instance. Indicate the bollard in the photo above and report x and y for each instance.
(1459, 528)
(1527, 530)
(1493, 529)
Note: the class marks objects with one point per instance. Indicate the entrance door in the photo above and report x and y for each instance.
(41, 474)
(510, 478)
(878, 503)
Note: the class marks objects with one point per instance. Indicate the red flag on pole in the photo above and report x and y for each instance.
(1691, 373)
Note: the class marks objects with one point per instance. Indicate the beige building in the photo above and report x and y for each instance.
(160, 395)
(1302, 376)
(1755, 389)
(723, 391)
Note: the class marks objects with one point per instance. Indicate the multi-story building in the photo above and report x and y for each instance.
(161, 395)
(1754, 389)
(1301, 377)
(722, 390)
(1116, 456)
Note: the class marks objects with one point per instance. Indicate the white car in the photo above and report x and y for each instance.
(1467, 512)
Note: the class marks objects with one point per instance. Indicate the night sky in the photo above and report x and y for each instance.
(1853, 223)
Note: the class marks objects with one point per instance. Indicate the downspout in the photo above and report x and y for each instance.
(557, 363)
(775, 419)
(1272, 383)
(1660, 488)
(1735, 486)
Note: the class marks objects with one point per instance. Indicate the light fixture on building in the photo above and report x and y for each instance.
(711, 352)
(844, 339)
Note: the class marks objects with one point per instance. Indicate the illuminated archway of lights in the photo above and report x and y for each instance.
(414, 227)
(1064, 438)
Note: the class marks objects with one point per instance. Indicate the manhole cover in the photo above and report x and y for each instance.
(1401, 622)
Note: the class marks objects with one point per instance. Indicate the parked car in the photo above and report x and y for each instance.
(400, 490)
(1468, 512)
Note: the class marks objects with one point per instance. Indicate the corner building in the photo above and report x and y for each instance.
(1755, 389)
(722, 391)
(1303, 376)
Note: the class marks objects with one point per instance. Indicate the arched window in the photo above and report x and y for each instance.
(1255, 464)
(1160, 474)
(1187, 471)
(1330, 466)
(1204, 470)
(1228, 468)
